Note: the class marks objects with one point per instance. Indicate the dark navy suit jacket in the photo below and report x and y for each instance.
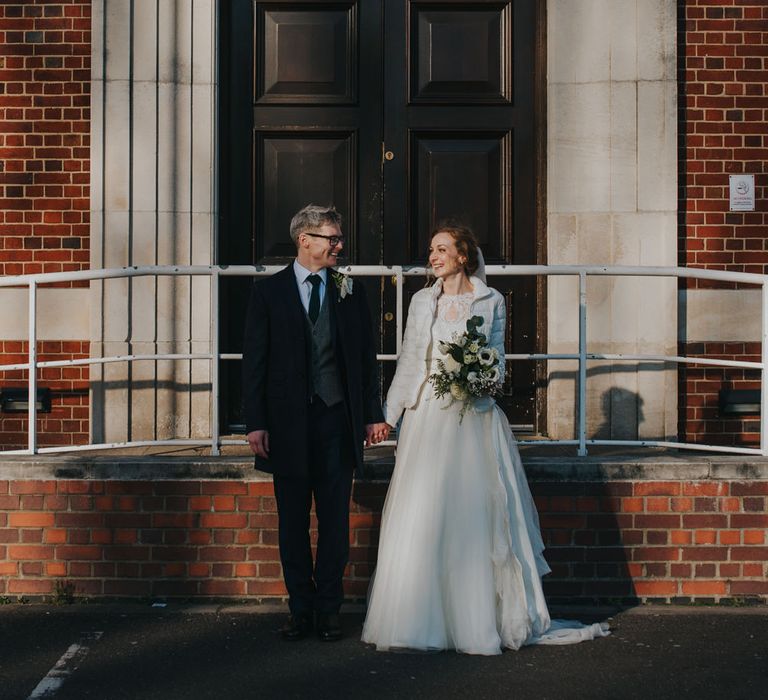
(276, 389)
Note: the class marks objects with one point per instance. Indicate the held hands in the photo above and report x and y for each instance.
(258, 441)
(375, 433)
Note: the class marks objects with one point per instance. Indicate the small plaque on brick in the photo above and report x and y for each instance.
(742, 192)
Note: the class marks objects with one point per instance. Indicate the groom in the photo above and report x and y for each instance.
(311, 400)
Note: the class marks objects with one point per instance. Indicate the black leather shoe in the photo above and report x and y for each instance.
(297, 627)
(329, 627)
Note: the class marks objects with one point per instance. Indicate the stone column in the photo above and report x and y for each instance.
(612, 200)
(152, 204)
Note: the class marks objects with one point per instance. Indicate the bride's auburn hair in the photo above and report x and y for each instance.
(464, 239)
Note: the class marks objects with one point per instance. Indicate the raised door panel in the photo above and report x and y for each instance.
(458, 53)
(306, 56)
(294, 169)
(465, 176)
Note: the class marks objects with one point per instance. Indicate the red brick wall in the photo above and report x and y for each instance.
(67, 423)
(612, 541)
(45, 69)
(669, 541)
(45, 73)
(723, 59)
(700, 418)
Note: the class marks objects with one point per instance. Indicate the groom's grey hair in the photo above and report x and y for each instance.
(312, 218)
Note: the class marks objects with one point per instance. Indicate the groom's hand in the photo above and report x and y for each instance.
(258, 441)
(375, 433)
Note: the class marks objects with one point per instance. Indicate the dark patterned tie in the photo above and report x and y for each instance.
(314, 298)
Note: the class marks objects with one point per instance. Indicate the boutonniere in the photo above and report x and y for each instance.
(343, 283)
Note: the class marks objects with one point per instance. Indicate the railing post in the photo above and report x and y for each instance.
(764, 373)
(32, 383)
(399, 310)
(582, 364)
(215, 362)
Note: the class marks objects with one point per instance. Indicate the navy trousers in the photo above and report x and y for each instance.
(318, 587)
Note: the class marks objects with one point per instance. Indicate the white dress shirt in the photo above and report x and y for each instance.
(305, 286)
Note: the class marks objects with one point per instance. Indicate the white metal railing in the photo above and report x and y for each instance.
(32, 282)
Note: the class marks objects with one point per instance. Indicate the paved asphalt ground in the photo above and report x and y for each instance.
(205, 651)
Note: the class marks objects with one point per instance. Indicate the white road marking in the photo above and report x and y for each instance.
(63, 668)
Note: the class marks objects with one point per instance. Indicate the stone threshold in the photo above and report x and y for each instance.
(541, 464)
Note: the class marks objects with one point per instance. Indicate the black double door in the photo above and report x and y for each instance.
(401, 113)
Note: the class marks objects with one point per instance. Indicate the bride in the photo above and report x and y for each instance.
(460, 555)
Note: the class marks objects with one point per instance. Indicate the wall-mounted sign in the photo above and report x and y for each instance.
(742, 192)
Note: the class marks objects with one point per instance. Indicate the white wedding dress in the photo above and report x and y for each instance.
(460, 554)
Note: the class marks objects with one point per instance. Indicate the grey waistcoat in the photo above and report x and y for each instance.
(325, 380)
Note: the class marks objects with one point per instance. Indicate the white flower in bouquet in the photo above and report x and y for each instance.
(493, 374)
(443, 347)
(487, 356)
(473, 377)
(473, 347)
(469, 358)
(451, 366)
(459, 339)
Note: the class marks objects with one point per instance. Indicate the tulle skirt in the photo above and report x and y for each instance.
(460, 555)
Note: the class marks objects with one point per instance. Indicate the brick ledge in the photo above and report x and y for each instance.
(379, 468)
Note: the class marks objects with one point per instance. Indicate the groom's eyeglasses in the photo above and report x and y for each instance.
(333, 241)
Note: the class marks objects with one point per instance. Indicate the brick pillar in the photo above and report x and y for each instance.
(723, 101)
(45, 62)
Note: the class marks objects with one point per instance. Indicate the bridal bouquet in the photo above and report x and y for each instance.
(470, 370)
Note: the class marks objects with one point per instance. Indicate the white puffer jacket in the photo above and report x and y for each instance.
(411, 372)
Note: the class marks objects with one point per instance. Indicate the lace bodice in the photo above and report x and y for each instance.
(452, 315)
(454, 308)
